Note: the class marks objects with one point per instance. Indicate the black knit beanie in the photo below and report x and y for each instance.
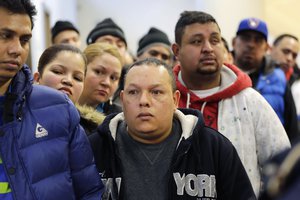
(106, 27)
(153, 36)
(62, 26)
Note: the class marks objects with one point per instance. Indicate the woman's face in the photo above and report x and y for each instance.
(64, 73)
(102, 79)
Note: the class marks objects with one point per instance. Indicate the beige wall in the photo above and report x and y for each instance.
(135, 17)
(282, 16)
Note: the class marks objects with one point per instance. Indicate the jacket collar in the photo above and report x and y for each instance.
(188, 118)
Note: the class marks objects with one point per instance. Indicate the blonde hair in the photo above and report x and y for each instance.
(98, 49)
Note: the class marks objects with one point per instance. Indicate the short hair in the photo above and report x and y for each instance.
(99, 48)
(51, 53)
(156, 63)
(191, 17)
(20, 7)
(280, 37)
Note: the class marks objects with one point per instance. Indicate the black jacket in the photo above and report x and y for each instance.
(202, 152)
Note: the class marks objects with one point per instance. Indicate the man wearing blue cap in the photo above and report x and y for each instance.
(250, 46)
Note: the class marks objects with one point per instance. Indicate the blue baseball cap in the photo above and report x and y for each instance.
(253, 24)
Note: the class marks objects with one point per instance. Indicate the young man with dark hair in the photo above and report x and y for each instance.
(284, 53)
(44, 151)
(223, 94)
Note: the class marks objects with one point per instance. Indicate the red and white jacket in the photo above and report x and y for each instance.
(242, 115)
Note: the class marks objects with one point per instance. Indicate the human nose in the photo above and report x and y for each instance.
(105, 81)
(159, 57)
(67, 80)
(251, 41)
(290, 58)
(207, 47)
(145, 99)
(15, 47)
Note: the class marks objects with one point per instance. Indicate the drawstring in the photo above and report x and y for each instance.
(203, 106)
(188, 102)
(188, 99)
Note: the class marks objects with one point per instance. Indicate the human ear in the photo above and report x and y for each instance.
(36, 77)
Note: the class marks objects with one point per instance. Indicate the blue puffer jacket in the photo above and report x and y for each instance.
(272, 87)
(45, 152)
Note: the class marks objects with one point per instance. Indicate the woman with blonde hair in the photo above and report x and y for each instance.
(104, 67)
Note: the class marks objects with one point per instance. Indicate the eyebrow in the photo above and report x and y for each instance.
(215, 33)
(138, 86)
(66, 68)
(201, 34)
(7, 30)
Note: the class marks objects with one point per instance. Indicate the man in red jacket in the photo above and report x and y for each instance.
(223, 94)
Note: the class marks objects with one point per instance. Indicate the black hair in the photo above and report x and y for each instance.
(155, 62)
(20, 7)
(191, 17)
(51, 53)
(280, 37)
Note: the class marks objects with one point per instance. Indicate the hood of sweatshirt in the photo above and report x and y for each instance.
(233, 80)
(188, 118)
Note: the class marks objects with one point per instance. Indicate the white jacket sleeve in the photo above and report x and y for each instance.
(271, 137)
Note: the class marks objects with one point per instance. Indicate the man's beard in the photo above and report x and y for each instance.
(205, 71)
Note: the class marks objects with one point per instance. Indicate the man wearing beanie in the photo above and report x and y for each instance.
(65, 32)
(155, 44)
(249, 49)
(108, 31)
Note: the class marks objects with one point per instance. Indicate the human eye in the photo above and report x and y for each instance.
(99, 71)
(294, 55)
(285, 51)
(196, 41)
(64, 41)
(5, 35)
(121, 44)
(25, 40)
(132, 92)
(115, 78)
(245, 37)
(57, 71)
(153, 53)
(165, 57)
(259, 40)
(78, 78)
(156, 92)
(215, 40)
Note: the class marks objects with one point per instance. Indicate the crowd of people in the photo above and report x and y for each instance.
(189, 119)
